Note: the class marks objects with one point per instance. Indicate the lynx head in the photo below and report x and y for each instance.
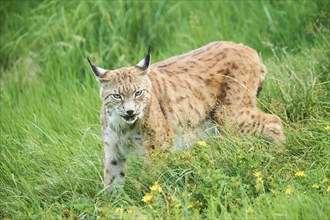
(126, 91)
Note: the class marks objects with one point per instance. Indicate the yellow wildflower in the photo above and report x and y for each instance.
(147, 197)
(202, 143)
(235, 184)
(118, 210)
(257, 174)
(131, 211)
(156, 187)
(177, 206)
(250, 210)
(190, 205)
(300, 174)
(328, 189)
(327, 127)
(316, 186)
(288, 190)
(325, 180)
(259, 179)
(152, 154)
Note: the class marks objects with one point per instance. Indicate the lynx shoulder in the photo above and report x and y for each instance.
(145, 106)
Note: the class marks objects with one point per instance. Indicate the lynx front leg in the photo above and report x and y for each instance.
(114, 164)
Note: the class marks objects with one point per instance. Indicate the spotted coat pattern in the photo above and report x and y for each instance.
(218, 82)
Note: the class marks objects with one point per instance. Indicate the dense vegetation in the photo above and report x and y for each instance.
(50, 145)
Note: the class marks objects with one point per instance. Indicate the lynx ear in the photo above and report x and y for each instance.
(98, 71)
(145, 62)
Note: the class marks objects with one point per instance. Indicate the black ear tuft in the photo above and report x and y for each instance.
(99, 72)
(145, 62)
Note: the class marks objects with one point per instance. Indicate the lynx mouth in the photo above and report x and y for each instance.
(130, 119)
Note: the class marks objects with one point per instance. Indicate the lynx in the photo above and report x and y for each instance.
(146, 106)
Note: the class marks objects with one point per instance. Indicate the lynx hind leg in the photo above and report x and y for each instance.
(253, 121)
(262, 77)
(272, 128)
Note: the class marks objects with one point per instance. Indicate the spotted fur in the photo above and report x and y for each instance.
(146, 106)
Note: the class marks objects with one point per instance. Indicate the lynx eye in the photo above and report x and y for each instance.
(138, 93)
(116, 96)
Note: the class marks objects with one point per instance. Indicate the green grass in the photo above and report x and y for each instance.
(50, 145)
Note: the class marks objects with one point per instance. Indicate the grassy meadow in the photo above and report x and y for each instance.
(51, 148)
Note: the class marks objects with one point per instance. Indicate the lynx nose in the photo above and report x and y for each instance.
(130, 112)
(129, 107)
